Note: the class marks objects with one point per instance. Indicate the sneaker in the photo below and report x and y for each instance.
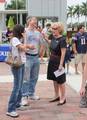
(12, 114)
(83, 106)
(22, 107)
(83, 102)
(77, 73)
(42, 61)
(34, 97)
(24, 101)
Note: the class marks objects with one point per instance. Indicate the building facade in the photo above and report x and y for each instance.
(48, 9)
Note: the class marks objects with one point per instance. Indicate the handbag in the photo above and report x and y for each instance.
(12, 60)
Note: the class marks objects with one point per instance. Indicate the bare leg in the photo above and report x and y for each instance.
(83, 71)
(43, 52)
(56, 89)
(67, 67)
(83, 90)
(76, 70)
(47, 50)
(62, 92)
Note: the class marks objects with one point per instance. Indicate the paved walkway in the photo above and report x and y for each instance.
(42, 109)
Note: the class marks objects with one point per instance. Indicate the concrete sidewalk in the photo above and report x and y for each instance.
(42, 109)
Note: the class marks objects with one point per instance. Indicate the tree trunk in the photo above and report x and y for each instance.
(85, 21)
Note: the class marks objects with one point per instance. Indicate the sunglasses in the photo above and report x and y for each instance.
(54, 28)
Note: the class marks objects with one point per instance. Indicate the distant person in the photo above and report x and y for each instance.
(68, 54)
(9, 34)
(46, 31)
(79, 47)
(57, 44)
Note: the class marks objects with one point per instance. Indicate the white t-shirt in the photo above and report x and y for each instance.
(35, 38)
(15, 41)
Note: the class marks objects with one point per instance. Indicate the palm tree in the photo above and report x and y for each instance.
(70, 13)
(77, 11)
(84, 11)
(16, 4)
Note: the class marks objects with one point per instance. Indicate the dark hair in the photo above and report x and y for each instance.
(80, 26)
(48, 25)
(18, 30)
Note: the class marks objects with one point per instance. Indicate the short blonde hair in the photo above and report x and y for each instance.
(59, 25)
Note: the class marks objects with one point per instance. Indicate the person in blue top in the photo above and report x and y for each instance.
(79, 46)
(80, 50)
(68, 54)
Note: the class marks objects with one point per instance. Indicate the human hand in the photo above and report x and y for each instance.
(75, 52)
(60, 67)
(82, 91)
(32, 47)
(45, 36)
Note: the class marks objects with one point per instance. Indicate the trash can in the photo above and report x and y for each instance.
(4, 49)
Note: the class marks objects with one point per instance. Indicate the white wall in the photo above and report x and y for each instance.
(48, 8)
(2, 22)
(2, 6)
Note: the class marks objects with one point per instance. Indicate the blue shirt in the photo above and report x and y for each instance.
(81, 42)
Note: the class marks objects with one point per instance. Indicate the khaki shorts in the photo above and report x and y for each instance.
(80, 58)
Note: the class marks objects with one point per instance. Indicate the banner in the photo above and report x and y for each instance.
(4, 49)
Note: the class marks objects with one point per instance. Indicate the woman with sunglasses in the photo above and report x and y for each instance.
(56, 62)
(18, 48)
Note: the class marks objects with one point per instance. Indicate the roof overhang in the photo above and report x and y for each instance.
(13, 11)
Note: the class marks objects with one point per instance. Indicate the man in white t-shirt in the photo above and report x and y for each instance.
(32, 61)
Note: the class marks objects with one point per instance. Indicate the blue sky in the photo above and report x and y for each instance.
(74, 2)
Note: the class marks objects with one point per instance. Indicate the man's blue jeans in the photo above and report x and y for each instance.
(16, 95)
(31, 75)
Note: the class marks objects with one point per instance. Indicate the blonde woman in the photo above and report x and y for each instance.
(58, 49)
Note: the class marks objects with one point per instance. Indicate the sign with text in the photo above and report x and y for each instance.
(4, 49)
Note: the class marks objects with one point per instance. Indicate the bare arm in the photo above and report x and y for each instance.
(74, 48)
(63, 51)
(41, 50)
(25, 47)
(46, 38)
